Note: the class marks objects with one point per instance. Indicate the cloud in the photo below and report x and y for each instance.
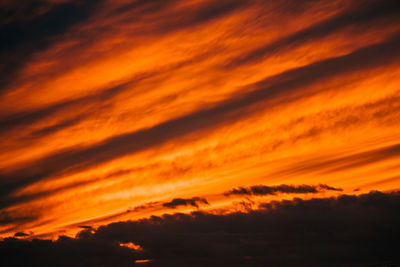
(23, 38)
(288, 85)
(13, 200)
(83, 106)
(65, 252)
(164, 17)
(29, 117)
(11, 218)
(358, 15)
(143, 7)
(55, 127)
(347, 230)
(26, 35)
(20, 234)
(185, 202)
(313, 232)
(86, 227)
(339, 163)
(258, 190)
(327, 187)
(262, 190)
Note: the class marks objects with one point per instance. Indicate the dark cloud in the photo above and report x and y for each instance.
(317, 232)
(20, 234)
(25, 10)
(195, 201)
(359, 15)
(262, 190)
(86, 227)
(20, 39)
(345, 231)
(288, 85)
(185, 202)
(150, 205)
(65, 252)
(327, 187)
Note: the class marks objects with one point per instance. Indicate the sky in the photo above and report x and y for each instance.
(188, 132)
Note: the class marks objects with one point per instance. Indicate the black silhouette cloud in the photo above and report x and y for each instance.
(345, 231)
(262, 190)
(19, 234)
(185, 202)
(65, 252)
(327, 187)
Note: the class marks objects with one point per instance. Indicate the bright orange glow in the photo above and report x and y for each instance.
(142, 261)
(131, 246)
(122, 114)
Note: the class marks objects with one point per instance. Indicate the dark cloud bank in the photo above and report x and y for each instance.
(345, 231)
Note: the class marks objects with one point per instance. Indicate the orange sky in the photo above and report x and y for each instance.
(139, 103)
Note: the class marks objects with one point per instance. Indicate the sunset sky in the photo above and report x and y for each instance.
(125, 122)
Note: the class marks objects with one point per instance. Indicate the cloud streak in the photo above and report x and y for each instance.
(262, 190)
(194, 202)
(363, 14)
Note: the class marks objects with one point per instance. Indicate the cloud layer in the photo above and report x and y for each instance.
(348, 230)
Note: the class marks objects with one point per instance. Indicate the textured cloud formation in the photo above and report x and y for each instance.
(117, 146)
(283, 188)
(122, 110)
(348, 230)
